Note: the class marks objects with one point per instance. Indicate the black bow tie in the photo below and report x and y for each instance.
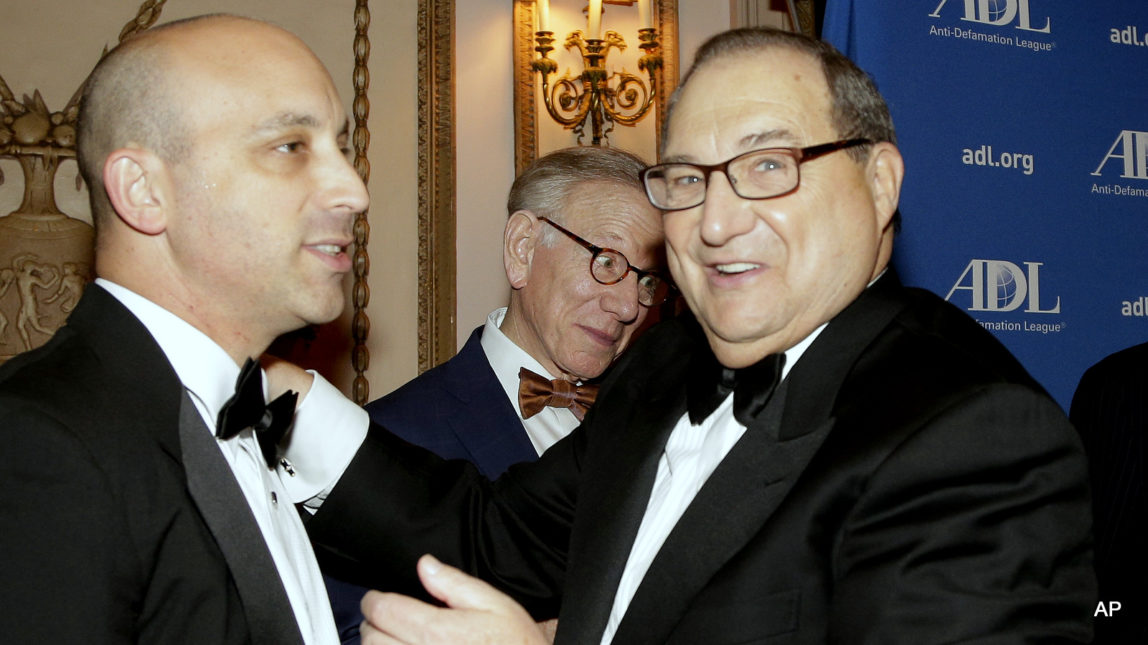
(246, 409)
(710, 383)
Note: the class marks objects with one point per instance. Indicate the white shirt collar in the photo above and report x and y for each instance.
(793, 354)
(504, 356)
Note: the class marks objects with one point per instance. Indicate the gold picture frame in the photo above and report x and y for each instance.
(803, 14)
(436, 177)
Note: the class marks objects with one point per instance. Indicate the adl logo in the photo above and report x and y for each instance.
(998, 13)
(999, 285)
(1130, 148)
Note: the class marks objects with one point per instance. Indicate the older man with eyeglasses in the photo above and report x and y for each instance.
(577, 220)
(817, 454)
(525, 378)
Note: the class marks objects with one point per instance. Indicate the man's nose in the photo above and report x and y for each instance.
(725, 214)
(621, 298)
(343, 189)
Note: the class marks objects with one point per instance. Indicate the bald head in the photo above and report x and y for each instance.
(133, 99)
(215, 150)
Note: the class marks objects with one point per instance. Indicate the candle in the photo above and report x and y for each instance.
(644, 21)
(543, 15)
(594, 17)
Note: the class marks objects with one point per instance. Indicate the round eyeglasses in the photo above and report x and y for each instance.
(608, 266)
(757, 174)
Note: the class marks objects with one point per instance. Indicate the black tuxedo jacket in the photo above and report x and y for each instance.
(1110, 410)
(459, 410)
(120, 520)
(908, 483)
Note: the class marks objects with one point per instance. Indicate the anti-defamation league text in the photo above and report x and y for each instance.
(1118, 190)
(1024, 325)
(996, 39)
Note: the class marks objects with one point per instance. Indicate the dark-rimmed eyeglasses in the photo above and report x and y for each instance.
(757, 174)
(608, 266)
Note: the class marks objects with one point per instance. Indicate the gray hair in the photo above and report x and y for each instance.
(546, 186)
(859, 110)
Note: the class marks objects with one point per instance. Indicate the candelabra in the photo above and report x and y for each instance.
(604, 99)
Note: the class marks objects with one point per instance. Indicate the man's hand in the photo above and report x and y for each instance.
(284, 375)
(475, 613)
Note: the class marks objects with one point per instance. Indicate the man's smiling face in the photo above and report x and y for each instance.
(760, 275)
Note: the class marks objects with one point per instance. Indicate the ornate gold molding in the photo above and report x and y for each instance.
(361, 139)
(436, 175)
(667, 18)
(525, 114)
(46, 256)
(146, 16)
(805, 13)
(525, 111)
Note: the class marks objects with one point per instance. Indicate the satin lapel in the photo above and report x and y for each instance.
(817, 378)
(617, 482)
(224, 508)
(484, 422)
(756, 476)
(730, 509)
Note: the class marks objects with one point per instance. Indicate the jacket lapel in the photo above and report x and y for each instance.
(212, 485)
(755, 477)
(616, 485)
(732, 506)
(484, 421)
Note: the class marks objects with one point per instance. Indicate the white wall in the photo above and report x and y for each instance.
(484, 135)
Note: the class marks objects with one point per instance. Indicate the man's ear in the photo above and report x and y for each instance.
(518, 242)
(885, 170)
(135, 181)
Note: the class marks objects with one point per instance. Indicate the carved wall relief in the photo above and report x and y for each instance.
(45, 255)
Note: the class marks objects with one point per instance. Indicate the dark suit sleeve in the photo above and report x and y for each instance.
(974, 529)
(68, 574)
(397, 501)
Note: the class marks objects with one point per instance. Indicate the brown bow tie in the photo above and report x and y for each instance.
(536, 392)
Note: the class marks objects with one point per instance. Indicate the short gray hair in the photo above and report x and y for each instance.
(545, 187)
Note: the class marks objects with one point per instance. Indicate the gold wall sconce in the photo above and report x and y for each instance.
(595, 94)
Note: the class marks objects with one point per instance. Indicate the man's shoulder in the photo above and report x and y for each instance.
(1122, 365)
(460, 371)
(51, 374)
(937, 333)
(657, 359)
(667, 341)
(101, 395)
(1113, 389)
(466, 381)
(929, 356)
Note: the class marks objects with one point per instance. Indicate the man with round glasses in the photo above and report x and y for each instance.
(573, 308)
(816, 454)
(518, 385)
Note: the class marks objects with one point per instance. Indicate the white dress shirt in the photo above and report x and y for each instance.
(506, 358)
(691, 455)
(209, 374)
